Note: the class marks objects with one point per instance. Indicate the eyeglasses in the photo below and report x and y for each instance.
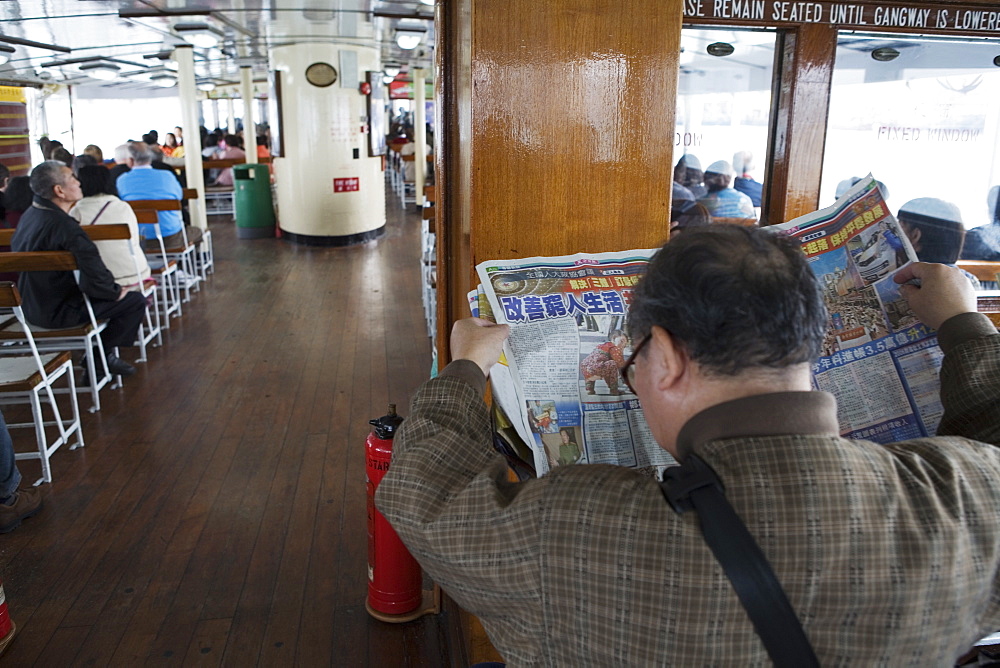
(628, 369)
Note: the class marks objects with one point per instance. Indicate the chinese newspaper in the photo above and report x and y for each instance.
(559, 382)
(880, 363)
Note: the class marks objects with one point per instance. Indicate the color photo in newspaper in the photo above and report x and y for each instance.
(880, 363)
(567, 343)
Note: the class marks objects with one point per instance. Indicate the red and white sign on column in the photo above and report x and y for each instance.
(345, 185)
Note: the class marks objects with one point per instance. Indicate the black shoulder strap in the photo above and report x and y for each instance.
(694, 486)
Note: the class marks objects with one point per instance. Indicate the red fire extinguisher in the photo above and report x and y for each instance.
(7, 627)
(393, 574)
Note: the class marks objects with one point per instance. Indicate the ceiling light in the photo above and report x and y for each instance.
(102, 71)
(206, 86)
(391, 70)
(427, 2)
(163, 80)
(720, 49)
(885, 54)
(388, 79)
(409, 38)
(5, 53)
(200, 35)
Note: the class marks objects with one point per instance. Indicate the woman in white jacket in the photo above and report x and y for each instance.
(100, 205)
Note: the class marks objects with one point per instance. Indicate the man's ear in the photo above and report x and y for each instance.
(668, 360)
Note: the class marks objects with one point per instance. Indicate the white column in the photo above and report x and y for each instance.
(230, 116)
(184, 55)
(249, 122)
(217, 123)
(419, 133)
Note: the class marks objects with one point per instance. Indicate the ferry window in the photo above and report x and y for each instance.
(723, 104)
(921, 115)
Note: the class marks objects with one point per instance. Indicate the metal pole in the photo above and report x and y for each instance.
(231, 116)
(184, 55)
(419, 134)
(249, 126)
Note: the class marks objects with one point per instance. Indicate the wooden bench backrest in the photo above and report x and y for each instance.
(9, 296)
(95, 232)
(984, 271)
(146, 217)
(108, 232)
(745, 222)
(190, 193)
(155, 204)
(38, 261)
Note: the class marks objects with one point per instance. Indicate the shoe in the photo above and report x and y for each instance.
(119, 367)
(27, 502)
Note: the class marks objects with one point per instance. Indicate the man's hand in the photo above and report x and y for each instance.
(122, 291)
(478, 340)
(942, 292)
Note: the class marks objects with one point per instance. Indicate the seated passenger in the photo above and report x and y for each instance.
(121, 163)
(53, 298)
(743, 164)
(231, 149)
(16, 503)
(889, 554)
(721, 200)
(144, 182)
(983, 243)
(688, 173)
(16, 200)
(99, 206)
(935, 230)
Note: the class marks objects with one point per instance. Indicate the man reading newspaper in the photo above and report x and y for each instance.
(889, 554)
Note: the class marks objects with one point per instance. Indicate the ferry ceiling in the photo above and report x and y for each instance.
(126, 46)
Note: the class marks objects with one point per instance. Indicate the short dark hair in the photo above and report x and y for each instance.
(18, 196)
(96, 180)
(45, 177)
(737, 298)
(83, 160)
(4, 172)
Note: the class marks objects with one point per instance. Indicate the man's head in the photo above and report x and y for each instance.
(718, 176)
(121, 154)
(743, 162)
(4, 177)
(54, 181)
(935, 229)
(723, 311)
(736, 298)
(139, 154)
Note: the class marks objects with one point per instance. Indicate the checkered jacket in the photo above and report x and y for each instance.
(888, 554)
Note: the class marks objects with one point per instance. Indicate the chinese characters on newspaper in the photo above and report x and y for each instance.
(559, 382)
(880, 363)
(561, 385)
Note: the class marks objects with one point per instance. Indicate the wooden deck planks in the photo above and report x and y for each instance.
(217, 515)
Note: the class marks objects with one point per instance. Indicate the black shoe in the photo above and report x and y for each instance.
(119, 367)
(27, 502)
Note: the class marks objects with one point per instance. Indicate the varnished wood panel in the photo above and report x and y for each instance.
(803, 76)
(572, 113)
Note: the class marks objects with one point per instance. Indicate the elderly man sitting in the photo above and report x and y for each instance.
(53, 298)
(142, 181)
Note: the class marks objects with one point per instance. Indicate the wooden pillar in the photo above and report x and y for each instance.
(803, 74)
(557, 124)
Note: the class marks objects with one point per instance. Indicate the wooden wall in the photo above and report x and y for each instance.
(558, 129)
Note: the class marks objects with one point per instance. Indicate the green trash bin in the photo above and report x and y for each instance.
(252, 201)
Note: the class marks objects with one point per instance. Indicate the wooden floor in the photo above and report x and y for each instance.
(217, 515)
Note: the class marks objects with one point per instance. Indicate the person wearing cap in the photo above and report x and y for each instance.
(722, 201)
(743, 164)
(935, 230)
(688, 174)
(983, 243)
